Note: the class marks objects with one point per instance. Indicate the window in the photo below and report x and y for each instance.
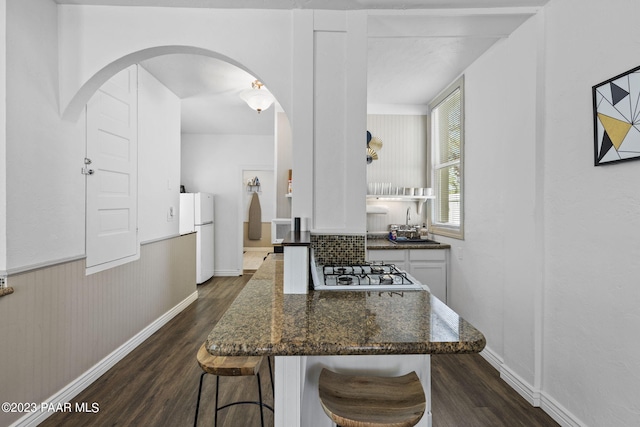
(447, 143)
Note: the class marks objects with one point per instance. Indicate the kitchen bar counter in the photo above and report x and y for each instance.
(368, 333)
(264, 320)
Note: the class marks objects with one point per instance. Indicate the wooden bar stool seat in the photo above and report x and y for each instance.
(371, 401)
(231, 366)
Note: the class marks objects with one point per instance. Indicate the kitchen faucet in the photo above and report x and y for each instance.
(408, 215)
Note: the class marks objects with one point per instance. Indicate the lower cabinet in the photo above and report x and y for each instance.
(428, 266)
(390, 256)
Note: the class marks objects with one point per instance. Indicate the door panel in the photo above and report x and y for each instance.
(112, 187)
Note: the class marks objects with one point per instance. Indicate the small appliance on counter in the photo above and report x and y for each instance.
(280, 227)
(196, 215)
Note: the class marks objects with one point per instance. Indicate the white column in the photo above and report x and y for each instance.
(296, 270)
(339, 113)
(289, 377)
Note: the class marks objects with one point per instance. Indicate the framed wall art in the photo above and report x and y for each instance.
(616, 118)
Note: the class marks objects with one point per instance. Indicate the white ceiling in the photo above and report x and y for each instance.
(412, 55)
(315, 4)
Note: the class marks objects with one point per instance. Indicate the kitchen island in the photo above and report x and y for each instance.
(385, 332)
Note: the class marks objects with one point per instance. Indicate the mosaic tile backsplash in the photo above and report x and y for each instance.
(338, 249)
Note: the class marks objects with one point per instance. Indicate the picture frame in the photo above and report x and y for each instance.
(616, 118)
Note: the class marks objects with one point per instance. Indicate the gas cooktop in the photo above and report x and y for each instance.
(361, 277)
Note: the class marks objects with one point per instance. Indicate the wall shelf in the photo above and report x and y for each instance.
(398, 198)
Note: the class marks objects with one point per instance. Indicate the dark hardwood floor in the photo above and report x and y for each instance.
(157, 383)
(467, 391)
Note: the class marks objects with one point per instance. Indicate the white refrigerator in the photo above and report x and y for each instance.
(196, 215)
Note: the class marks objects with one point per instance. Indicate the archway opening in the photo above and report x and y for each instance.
(220, 136)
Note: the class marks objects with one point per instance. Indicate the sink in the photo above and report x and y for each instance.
(401, 240)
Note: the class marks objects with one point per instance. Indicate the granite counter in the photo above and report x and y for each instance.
(377, 243)
(264, 320)
(364, 332)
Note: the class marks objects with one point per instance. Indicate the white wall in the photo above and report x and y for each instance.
(45, 190)
(592, 292)
(282, 164)
(158, 158)
(493, 273)
(59, 55)
(548, 268)
(214, 164)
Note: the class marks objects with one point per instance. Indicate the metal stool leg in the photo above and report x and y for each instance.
(215, 419)
(260, 400)
(218, 408)
(195, 422)
(273, 392)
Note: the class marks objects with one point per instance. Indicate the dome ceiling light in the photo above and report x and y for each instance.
(258, 98)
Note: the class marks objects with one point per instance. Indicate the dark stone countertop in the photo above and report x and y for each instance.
(263, 320)
(375, 242)
(297, 238)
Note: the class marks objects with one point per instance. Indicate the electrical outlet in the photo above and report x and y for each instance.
(460, 253)
(170, 213)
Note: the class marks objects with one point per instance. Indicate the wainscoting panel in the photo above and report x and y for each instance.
(59, 323)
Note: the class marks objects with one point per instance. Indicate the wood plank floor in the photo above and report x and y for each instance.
(157, 383)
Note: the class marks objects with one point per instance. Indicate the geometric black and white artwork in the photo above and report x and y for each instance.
(616, 118)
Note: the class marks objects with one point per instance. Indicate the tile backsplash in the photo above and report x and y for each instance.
(338, 248)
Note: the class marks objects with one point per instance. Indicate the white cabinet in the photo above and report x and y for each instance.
(428, 266)
(391, 256)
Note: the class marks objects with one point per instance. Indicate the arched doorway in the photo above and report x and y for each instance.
(221, 132)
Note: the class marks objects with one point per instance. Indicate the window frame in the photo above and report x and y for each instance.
(439, 228)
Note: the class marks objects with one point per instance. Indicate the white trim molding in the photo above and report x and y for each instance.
(535, 397)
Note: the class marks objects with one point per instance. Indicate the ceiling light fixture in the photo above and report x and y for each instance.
(257, 98)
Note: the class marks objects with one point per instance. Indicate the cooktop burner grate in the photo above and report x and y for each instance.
(378, 274)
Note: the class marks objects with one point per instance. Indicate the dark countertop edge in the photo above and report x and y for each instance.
(6, 291)
(297, 238)
(383, 243)
(291, 349)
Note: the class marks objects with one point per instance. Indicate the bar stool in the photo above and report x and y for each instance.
(231, 366)
(370, 401)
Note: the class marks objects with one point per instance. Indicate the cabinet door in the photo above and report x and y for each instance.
(389, 256)
(432, 274)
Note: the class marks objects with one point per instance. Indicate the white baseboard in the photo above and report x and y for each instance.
(524, 389)
(559, 413)
(533, 396)
(72, 389)
(492, 357)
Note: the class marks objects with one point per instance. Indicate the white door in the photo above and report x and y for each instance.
(112, 148)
